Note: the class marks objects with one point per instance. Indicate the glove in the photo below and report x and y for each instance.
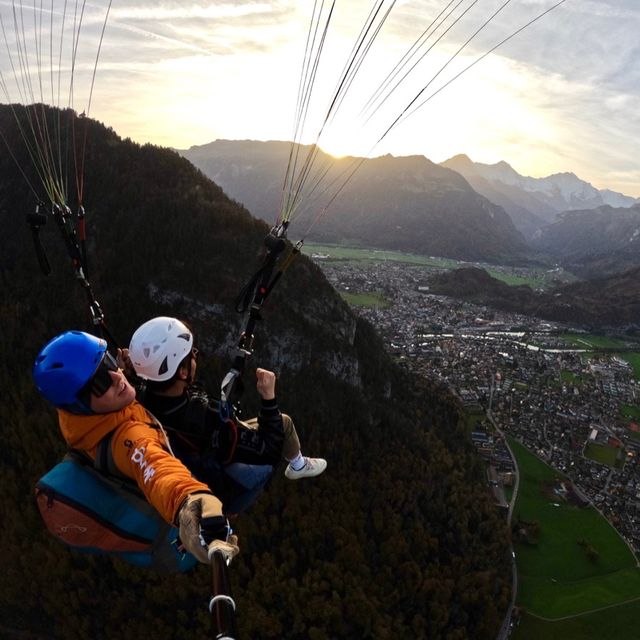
(201, 523)
(228, 549)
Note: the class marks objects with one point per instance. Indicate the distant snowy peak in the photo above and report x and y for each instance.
(616, 200)
(567, 187)
(561, 191)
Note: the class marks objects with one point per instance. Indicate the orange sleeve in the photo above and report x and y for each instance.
(139, 453)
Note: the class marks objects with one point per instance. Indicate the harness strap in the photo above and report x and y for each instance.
(251, 299)
(232, 447)
(104, 461)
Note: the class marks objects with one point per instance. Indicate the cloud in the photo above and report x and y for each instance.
(212, 29)
(560, 96)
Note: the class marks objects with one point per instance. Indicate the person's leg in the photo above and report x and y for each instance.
(299, 466)
(291, 446)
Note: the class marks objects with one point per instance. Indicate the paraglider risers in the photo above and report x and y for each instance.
(275, 244)
(35, 221)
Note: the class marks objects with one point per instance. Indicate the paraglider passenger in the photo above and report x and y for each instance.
(238, 456)
(77, 374)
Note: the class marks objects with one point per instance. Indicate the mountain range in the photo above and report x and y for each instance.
(593, 242)
(534, 202)
(405, 203)
(459, 209)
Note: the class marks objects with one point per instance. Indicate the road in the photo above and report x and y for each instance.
(505, 628)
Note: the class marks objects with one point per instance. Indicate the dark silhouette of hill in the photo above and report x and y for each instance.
(397, 539)
(602, 302)
(405, 203)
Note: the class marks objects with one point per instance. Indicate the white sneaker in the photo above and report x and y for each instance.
(312, 467)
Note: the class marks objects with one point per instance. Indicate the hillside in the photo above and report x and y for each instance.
(404, 203)
(594, 242)
(397, 539)
(597, 303)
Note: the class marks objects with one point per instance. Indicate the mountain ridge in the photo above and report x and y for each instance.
(534, 202)
(593, 242)
(404, 203)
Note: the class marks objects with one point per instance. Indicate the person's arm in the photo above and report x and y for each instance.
(139, 453)
(169, 486)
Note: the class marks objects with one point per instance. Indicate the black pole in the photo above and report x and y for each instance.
(222, 606)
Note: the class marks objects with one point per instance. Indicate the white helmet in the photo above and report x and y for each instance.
(158, 347)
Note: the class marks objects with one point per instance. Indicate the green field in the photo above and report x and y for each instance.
(615, 622)
(630, 411)
(535, 279)
(473, 417)
(603, 454)
(605, 342)
(557, 577)
(634, 360)
(373, 299)
(593, 341)
(569, 376)
(359, 254)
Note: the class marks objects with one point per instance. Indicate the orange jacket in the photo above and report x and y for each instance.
(140, 451)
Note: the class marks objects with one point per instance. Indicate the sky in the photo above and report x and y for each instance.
(562, 95)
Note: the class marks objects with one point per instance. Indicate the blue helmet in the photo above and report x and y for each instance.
(64, 367)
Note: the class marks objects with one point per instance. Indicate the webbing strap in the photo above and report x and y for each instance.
(251, 299)
(76, 248)
(104, 461)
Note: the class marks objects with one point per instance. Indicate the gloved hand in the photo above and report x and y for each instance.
(228, 549)
(202, 523)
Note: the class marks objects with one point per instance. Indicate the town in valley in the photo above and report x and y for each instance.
(541, 383)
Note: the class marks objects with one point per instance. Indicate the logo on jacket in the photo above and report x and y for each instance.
(138, 458)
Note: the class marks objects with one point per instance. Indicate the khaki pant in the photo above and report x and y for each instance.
(291, 444)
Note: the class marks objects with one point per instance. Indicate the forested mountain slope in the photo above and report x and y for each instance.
(594, 242)
(398, 539)
(606, 302)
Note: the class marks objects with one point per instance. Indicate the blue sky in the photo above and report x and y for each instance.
(563, 95)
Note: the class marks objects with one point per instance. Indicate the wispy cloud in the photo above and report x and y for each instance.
(561, 96)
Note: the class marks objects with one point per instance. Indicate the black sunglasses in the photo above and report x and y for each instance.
(101, 381)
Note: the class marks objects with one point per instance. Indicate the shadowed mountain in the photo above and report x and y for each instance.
(594, 242)
(402, 509)
(405, 203)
